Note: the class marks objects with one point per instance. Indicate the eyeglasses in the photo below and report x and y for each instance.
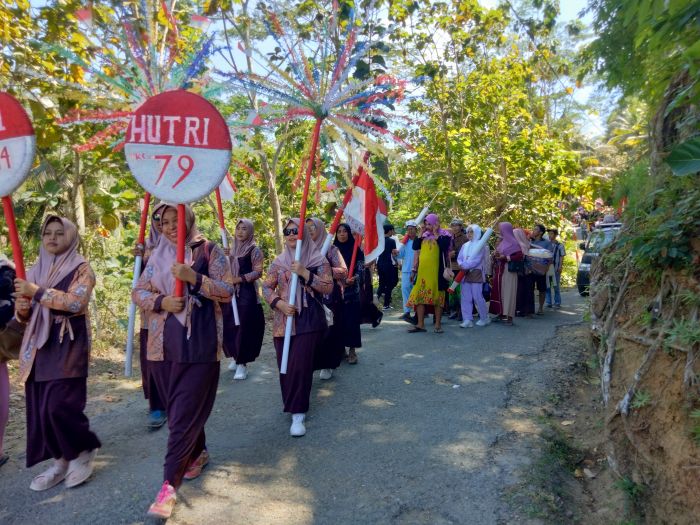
(290, 231)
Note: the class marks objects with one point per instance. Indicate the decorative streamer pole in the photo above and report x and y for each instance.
(17, 256)
(300, 239)
(341, 208)
(138, 262)
(224, 243)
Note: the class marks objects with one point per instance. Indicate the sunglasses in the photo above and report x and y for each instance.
(290, 231)
(156, 217)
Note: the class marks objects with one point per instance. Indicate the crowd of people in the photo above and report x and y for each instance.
(184, 337)
(453, 272)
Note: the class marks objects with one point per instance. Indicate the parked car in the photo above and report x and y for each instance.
(601, 236)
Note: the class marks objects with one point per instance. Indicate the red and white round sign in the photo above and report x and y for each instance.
(178, 146)
(17, 144)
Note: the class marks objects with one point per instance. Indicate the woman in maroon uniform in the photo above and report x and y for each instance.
(184, 344)
(53, 303)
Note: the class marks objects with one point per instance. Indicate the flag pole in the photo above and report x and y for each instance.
(355, 248)
(300, 239)
(131, 328)
(341, 209)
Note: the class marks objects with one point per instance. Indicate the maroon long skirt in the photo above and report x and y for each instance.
(244, 342)
(330, 352)
(296, 383)
(57, 426)
(150, 391)
(191, 391)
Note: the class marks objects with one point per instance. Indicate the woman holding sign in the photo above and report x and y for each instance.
(309, 327)
(243, 343)
(53, 303)
(184, 344)
(330, 353)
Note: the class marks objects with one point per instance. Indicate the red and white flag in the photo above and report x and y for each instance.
(366, 213)
(227, 189)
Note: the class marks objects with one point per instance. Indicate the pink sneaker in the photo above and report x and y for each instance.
(162, 507)
(197, 466)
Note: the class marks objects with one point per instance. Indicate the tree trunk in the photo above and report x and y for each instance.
(78, 196)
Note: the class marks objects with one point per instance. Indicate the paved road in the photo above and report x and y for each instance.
(409, 436)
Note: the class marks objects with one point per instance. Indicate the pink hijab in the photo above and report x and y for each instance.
(509, 244)
(321, 229)
(165, 255)
(242, 249)
(522, 239)
(153, 233)
(310, 258)
(433, 220)
(48, 272)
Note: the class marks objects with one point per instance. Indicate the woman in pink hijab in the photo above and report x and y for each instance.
(53, 303)
(505, 280)
(309, 320)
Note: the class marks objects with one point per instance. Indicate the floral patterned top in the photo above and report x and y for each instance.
(217, 286)
(276, 287)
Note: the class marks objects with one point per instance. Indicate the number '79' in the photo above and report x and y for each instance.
(184, 162)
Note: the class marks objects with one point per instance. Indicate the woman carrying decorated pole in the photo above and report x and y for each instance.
(52, 303)
(431, 258)
(184, 344)
(507, 262)
(156, 405)
(352, 315)
(473, 259)
(331, 351)
(309, 320)
(243, 343)
(10, 340)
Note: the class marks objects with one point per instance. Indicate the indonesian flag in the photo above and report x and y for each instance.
(227, 188)
(366, 213)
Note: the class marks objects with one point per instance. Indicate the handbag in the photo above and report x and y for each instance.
(11, 340)
(447, 273)
(516, 266)
(486, 291)
(473, 276)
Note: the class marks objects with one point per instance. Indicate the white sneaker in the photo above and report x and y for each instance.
(326, 373)
(481, 322)
(467, 324)
(232, 365)
(241, 372)
(297, 429)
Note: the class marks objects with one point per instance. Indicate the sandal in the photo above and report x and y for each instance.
(438, 330)
(352, 357)
(416, 329)
(50, 477)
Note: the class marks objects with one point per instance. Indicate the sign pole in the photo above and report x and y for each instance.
(300, 239)
(224, 243)
(14, 236)
(138, 262)
(181, 236)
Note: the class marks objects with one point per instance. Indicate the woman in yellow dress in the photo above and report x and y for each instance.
(430, 255)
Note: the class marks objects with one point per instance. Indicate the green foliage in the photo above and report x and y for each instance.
(657, 37)
(641, 399)
(685, 333)
(633, 490)
(684, 159)
(695, 432)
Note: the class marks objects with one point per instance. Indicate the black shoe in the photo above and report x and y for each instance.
(413, 320)
(375, 324)
(406, 317)
(3, 459)
(452, 316)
